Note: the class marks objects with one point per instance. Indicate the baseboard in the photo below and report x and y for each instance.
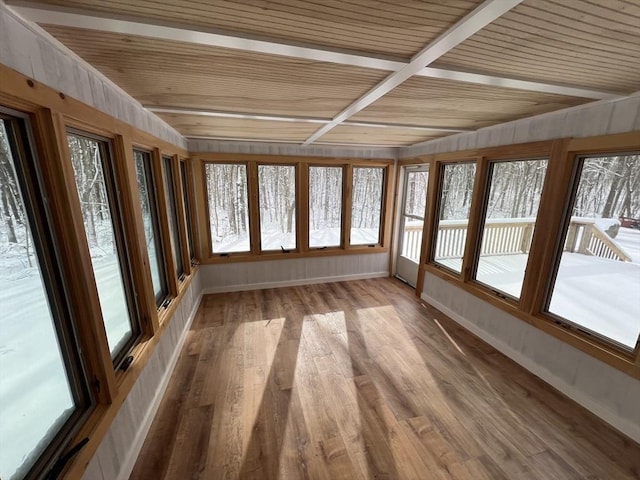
(620, 424)
(136, 446)
(292, 283)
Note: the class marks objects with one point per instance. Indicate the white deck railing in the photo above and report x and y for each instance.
(511, 236)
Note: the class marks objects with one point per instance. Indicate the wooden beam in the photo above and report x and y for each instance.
(479, 18)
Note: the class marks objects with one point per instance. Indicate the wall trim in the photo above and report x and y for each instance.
(150, 415)
(617, 422)
(292, 283)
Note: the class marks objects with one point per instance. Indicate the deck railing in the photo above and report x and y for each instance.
(512, 236)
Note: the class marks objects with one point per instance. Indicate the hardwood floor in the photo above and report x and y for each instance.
(359, 380)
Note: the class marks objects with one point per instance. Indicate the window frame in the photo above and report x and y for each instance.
(385, 172)
(345, 220)
(578, 151)
(50, 113)
(174, 208)
(302, 215)
(151, 176)
(56, 290)
(438, 183)
(478, 237)
(296, 175)
(186, 178)
(561, 154)
(123, 242)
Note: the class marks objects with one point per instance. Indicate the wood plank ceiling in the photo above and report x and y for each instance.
(281, 70)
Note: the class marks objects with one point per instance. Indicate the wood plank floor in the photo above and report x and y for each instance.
(359, 380)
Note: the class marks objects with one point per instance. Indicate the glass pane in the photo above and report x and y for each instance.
(35, 397)
(366, 205)
(325, 206)
(86, 156)
(512, 208)
(277, 186)
(416, 193)
(151, 224)
(228, 208)
(187, 208)
(456, 192)
(415, 202)
(598, 278)
(172, 211)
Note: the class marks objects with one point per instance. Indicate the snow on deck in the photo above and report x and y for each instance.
(598, 294)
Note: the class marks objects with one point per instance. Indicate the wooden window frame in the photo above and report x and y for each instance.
(302, 214)
(154, 197)
(186, 177)
(50, 113)
(383, 207)
(47, 251)
(118, 205)
(178, 209)
(296, 166)
(562, 155)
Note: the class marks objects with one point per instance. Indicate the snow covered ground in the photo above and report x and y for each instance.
(33, 387)
(327, 237)
(595, 293)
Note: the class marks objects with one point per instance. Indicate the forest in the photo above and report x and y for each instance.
(227, 197)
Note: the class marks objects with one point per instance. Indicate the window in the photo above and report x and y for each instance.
(227, 199)
(414, 205)
(172, 212)
(509, 219)
(151, 223)
(187, 207)
(43, 392)
(102, 216)
(456, 192)
(598, 278)
(325, 206)
(277, 187)
(366, 205)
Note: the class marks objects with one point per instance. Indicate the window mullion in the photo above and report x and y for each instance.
(254, 208)
(347, 202)
(303, 207)
(480, 192)
(555, 196)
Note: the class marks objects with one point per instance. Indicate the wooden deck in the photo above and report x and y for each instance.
(359, 380)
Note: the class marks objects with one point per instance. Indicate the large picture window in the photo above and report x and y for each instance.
(227, 199)
(277, 187)
(366, 205)
(325, 206)
(172, 211)
(598, 278)
(151, 222)
(456, 191)
(101, 214)
(42, 390)
(509, 220)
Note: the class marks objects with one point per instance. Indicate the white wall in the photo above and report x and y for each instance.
(620, 115)
(263, 148)
(296, 271)
(119, 449)
(27, 48)
(602, 389)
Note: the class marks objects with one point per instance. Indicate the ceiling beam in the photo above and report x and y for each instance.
(129, 25)
(284, 118)
(479, 18)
